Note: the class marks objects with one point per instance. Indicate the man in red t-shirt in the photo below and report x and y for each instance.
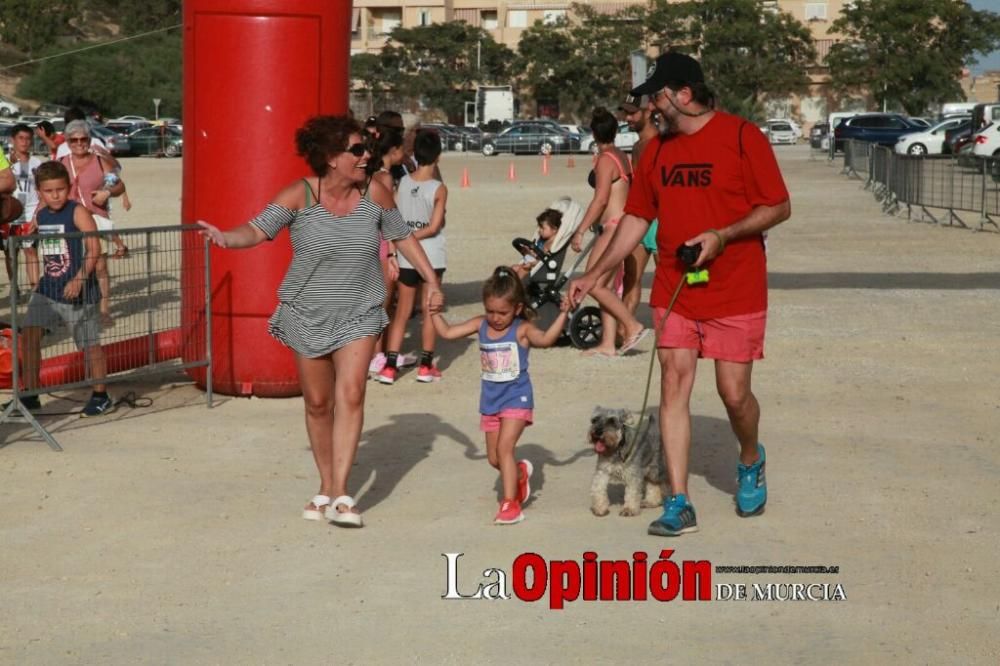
(712, 180)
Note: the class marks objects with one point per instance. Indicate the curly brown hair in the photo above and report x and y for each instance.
(323, 137)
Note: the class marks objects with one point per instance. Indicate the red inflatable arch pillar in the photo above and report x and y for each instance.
(254, 71)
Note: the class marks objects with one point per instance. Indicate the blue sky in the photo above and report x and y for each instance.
(992, 60)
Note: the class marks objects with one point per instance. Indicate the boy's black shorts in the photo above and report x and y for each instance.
(411, 278)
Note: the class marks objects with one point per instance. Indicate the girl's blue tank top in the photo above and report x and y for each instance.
(505, 381)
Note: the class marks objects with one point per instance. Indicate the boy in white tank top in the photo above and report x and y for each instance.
(421, 200)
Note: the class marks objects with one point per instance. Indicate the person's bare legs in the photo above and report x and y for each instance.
(350, 371)
(31, 355)
(406, 296)
(611, 305)
(733, 383)
(104, 283)
(677, 373)
(97, 363)
(31, 265)
(500, 452)
(427, 335)
(635, 267)
(316, 378)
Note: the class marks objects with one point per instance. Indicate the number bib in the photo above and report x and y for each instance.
(500, 361)
(52, 247)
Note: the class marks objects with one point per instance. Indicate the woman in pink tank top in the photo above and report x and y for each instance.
(88, 186)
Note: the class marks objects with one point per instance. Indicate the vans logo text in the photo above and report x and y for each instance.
(687, 175)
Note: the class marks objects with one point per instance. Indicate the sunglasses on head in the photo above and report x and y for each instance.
(357, 149)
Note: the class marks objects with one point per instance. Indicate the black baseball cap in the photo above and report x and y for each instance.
(671, 67)
(631, 104)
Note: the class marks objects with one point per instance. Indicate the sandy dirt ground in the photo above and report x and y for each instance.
(171, 534)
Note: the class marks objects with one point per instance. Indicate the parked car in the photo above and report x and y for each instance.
(624, 140)
(986, 142)
(924, 122)
(796, 129)
(928, 142)
(51, 110)
(984, 114)
(451, 137)
(9, 108)
(819, 136)
(963, 129)
(881, 128)
(780, 131)
(525, 137)
(966, 158)
(473, 137)
(126, 127)
(834, 120)
(118, 144)
(31, 119)
(156, 140)
(133, 119)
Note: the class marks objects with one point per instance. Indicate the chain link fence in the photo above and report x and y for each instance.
(122, 322)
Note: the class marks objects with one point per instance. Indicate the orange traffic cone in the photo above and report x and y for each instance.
(570, 162)
(545, 165)
(465, 178)
(511, 174)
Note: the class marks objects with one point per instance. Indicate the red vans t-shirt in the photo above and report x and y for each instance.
(709, 180)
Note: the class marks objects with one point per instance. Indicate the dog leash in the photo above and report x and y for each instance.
(649, 374)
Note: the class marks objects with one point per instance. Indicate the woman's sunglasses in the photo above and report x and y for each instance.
(78, 139)
(357, 149)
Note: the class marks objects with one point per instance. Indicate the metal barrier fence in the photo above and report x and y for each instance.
(128, 321)
(963, 184)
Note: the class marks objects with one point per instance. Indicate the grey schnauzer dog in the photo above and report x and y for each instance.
(640, 468)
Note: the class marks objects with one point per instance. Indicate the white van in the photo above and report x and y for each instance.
(957, 108)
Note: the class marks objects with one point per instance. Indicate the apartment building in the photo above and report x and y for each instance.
(505, 20)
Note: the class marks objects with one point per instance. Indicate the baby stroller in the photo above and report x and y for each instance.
(545, 282)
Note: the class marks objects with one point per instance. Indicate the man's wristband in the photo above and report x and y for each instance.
(722, 241)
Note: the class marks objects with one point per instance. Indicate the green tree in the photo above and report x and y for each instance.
(115, 80)
(584, 63)
(748, 52)
(33, 25)
(440, 62)
(909, 53)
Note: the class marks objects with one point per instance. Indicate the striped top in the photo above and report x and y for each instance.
(333, 292)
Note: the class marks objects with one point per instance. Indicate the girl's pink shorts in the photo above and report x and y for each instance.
(491, 422)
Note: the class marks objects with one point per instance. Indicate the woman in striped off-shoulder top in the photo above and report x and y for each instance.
(330, 303)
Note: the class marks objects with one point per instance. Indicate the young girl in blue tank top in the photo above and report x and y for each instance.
(506, 403)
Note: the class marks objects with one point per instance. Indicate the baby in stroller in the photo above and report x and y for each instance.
(549, 221)
(541, 267)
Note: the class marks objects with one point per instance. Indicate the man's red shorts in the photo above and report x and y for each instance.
(739, 338)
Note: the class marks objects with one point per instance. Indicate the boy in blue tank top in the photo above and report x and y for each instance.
(67, 291)
(506, 401)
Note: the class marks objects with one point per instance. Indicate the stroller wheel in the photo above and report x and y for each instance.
(585, 327)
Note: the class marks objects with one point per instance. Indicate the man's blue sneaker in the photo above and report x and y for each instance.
(678, 518)
(752, 493)
(97, 405)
